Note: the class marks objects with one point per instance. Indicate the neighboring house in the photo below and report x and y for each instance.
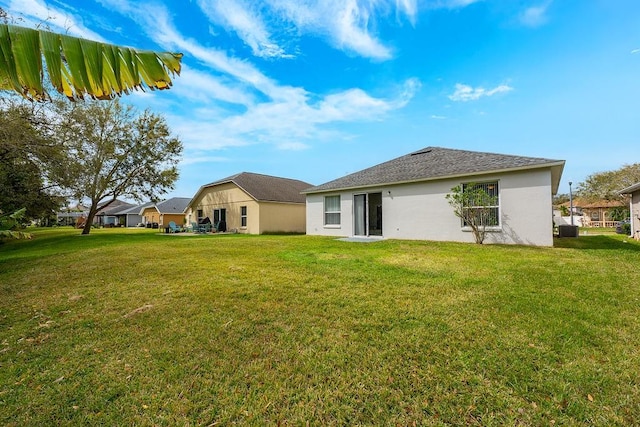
(130, 217)
(634, 208)
(405, 198)
(107, 216)
(162, 213)
(599, 213)
(71, 215)
(251, 203)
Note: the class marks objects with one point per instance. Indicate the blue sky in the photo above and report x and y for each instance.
(316, 89)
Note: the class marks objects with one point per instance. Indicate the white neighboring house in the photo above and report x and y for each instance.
(634, 208)
(405, 198)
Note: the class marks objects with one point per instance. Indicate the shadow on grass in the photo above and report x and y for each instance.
(613, 242)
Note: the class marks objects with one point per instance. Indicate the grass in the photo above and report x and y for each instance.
(131, 327)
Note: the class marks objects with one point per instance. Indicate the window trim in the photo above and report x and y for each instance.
(335, 212)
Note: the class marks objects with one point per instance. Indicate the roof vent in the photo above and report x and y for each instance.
(428, 150)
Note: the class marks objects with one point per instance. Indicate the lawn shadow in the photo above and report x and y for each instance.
(619, 243)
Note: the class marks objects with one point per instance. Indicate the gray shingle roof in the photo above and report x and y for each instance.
(434, 163)
(266, 188)
(173, 205)
(115, 207)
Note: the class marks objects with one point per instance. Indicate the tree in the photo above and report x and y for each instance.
(476, 206)
(77, 67)
(27, 153)
(113, 151)
(606, 185)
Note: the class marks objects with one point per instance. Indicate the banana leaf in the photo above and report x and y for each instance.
(78, 67)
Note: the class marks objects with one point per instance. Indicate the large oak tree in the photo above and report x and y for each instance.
(114, 151)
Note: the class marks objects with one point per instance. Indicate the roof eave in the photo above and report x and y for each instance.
(631, 189)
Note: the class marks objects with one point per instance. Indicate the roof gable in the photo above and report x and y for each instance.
(114, 207)
(432, 163)
(265, 188)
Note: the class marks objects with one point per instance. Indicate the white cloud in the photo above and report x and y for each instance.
(635, 51)
(195, 158)
(535, 16)
(196, 85)
(346, 24)
(467, 93)
(437, 117)
(237, 16)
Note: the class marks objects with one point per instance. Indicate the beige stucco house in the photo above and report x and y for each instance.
(634, 208)
(162, 213)
(405, 198)
(251, 203)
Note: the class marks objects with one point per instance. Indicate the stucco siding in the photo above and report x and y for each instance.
(165, 219)
(151, 215)
(282, 217)
(421, 211)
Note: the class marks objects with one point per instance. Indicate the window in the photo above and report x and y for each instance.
(243, 216)
(200, 214)
(483, 204)
(332, 210)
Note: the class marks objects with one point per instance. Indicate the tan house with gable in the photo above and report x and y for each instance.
(251, 203)
(162, 213)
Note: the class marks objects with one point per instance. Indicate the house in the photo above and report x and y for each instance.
(598, 213)
(162, 213)
(251, 203)
(106, 216)
(130, 217)
(634, 207)
(405, 198)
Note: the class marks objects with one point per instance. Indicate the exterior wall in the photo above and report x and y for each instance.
(421, 211)
(165, 219)
(282, 217)
(230, 197)
(150, 215)
(635, 214)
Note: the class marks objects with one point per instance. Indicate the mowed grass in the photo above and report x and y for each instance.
(135, 328)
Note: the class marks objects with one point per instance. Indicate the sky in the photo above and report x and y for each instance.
(316, 89)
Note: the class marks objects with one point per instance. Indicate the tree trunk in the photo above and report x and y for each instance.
(92, 213)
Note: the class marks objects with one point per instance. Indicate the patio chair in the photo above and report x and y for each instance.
(195, 227)
(173, 228)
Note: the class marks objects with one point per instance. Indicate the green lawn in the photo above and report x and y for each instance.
(135, 328)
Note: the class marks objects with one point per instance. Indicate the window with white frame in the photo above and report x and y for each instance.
(332, 210)
(243, 216)
(483, 202)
